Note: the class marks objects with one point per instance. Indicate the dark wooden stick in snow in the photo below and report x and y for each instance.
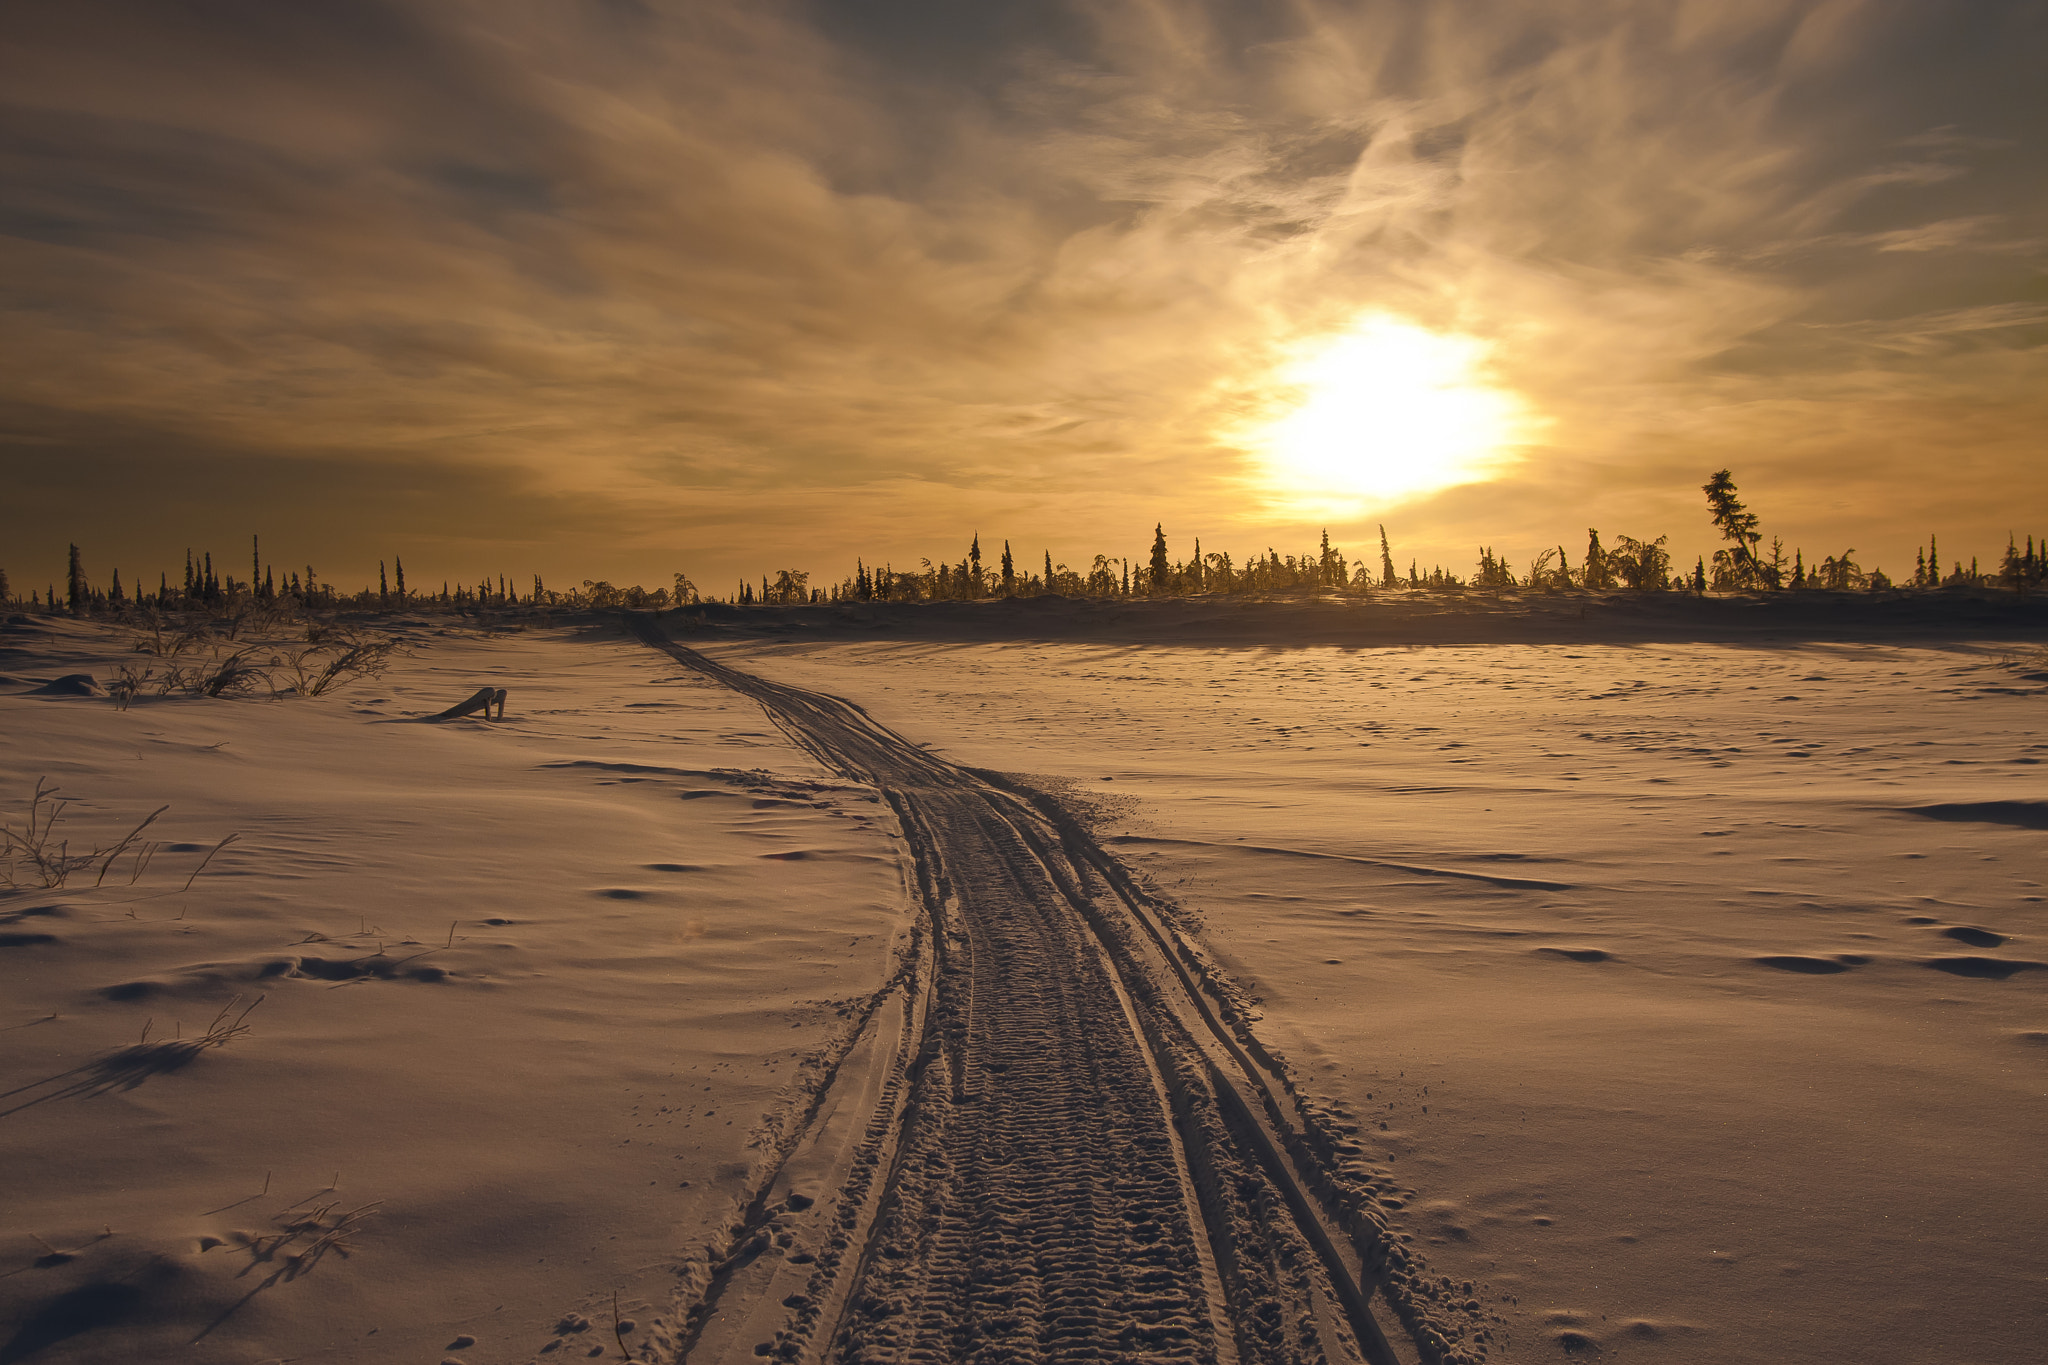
(479, 703)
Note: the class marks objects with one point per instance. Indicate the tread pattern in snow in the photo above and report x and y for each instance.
(1077, 1176)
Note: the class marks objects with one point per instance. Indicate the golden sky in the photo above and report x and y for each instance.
(613, 289)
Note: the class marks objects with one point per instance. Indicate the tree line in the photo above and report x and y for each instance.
(1624, 564)
(204, 588)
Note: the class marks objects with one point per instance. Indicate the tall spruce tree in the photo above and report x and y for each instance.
(1596, 575)
(1738, 525)
(1388, 578)
(74, 585)
(1162, 567)
(1009, 571)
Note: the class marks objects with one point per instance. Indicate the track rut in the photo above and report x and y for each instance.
(1081, 1152)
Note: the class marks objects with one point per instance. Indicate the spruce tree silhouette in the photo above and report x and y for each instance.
(1162, 567)
(74, 585)
(1739, 567)
(1388, 578)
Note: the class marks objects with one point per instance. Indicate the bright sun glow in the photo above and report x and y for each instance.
(1387, 410)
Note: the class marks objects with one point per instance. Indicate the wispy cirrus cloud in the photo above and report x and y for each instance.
(737, 281)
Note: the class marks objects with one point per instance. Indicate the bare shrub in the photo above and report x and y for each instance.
(157, 634)
(331, 656)
(337, 658)
(32, 856)
(127, 684)
(234, 675)
(304, 1237)
(2029, 662)
(365, 659)
(125, 1068)
(145, 1058)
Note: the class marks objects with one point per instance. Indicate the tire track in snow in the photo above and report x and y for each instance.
(1090, 1158)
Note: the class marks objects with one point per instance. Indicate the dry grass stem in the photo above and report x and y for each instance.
(207, 859)
(29, 851)
(127, 1067)
(31, 855)
(107, 857)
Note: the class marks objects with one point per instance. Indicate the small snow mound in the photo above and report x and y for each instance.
(70, 685)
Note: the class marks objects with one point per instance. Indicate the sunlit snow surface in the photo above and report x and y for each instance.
(1688, 1035)
(529, 988)
(1684, 1030)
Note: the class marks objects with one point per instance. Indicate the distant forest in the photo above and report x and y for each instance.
(1627, 564)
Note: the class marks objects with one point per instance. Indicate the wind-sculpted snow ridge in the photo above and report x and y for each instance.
(1077, 1150)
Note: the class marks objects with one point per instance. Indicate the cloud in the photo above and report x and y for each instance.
(723, 283)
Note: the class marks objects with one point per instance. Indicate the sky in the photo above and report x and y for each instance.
(621, 288)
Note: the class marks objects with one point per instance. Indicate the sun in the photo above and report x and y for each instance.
(1386, 410)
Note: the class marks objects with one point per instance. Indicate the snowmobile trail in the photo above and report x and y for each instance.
(1071, 1147)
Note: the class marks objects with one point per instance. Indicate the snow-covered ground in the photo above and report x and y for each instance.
(520, 1003)
(1688, 997)
(1694, 993)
